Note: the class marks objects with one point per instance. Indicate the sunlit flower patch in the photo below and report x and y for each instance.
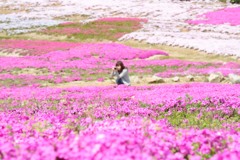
(164, 122)
(229, 16)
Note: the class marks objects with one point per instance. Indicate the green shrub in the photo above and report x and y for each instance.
(235, 1)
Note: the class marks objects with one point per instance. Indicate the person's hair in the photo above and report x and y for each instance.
(120, 63)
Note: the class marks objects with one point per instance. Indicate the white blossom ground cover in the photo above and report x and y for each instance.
(167, 20)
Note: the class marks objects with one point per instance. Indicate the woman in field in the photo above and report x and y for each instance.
(121, 72)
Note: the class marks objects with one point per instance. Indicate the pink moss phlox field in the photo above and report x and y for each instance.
(42, 47)
(84, 55)
(58, 60)
(108, 122)
(113, 51)
(81, 57)
(89, 56)
(69, 31)
(229, 16)
(35, 47)
(225, 69)
(98, 27)
(29, 79)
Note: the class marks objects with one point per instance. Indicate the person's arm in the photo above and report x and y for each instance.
(113, 73)
(124, 72)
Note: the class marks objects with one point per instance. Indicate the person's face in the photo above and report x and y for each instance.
(118, 68)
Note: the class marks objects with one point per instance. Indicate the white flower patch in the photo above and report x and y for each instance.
(166, 20)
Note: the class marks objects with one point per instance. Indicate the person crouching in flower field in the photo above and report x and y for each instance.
(121, 74)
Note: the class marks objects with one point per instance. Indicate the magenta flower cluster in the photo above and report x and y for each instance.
(229, 16)
(225, 69)
(34, 47)
(83, 55)
(112, 123)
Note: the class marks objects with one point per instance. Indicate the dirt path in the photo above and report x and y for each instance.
(140, 82)
(101, 84)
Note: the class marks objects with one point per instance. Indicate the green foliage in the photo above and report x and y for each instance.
(224, 1)
(231, 1)
(97, 30)
(235, 1)
(189, 118)
(157, 69)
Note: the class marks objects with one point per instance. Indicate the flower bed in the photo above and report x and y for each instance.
(229, 16)
(100, 29)
(176, 122)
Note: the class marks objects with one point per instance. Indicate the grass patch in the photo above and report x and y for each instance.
(97, 30)
(200, 118)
